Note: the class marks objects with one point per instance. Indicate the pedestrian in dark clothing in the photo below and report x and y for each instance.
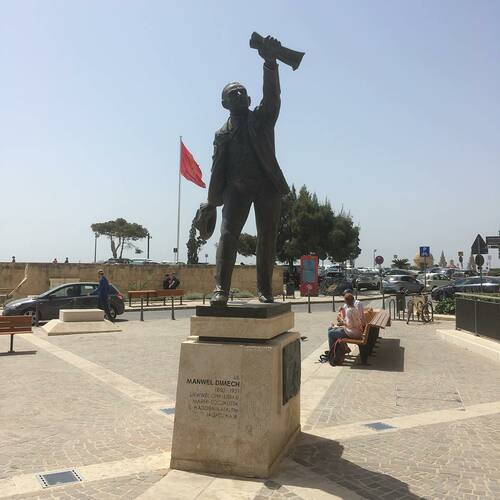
(102, 291)
(166, 281)
(170, 282)
(174, 283)
(13, 259)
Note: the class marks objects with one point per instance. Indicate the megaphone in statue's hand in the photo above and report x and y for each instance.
(288, 56)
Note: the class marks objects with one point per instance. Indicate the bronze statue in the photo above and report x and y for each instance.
(245, 171)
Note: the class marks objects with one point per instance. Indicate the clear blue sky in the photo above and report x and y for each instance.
(394, 115)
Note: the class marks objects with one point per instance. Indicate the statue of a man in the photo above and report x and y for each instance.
(245, 171)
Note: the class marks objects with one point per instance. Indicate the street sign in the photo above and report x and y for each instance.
(479, 246)
(379, 260)
(493, 241)
(425, 251)
(479, 259)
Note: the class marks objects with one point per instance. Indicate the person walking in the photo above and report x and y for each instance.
(102, 291)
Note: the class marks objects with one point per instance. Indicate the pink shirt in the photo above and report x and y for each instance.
(352, 323)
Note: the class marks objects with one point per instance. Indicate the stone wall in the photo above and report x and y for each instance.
(194, 278)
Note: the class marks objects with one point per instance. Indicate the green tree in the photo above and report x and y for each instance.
(308, 226)
(120, 233)
(247, 244)
(344, 244)
(194, 245)
(401, 263)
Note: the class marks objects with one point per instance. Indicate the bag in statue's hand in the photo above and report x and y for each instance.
(205, 220)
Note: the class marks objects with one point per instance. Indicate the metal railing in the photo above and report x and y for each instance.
(478, 313)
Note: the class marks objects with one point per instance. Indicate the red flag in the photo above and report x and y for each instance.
(189, 168)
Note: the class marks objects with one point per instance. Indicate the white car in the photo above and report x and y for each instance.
(433, 280)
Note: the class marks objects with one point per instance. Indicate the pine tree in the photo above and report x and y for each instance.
(442, 260)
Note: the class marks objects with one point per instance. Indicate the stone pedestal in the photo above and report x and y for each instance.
(238, 401)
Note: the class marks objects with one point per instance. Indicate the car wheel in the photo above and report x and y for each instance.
(32, 313)
(113, 311)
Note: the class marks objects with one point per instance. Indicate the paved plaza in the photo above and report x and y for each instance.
(421, 421)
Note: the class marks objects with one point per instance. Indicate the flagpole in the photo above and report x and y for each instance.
(179, 201)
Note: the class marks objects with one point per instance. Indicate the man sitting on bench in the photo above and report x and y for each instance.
(349, 324)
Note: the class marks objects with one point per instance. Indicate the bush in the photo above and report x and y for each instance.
(197, 296)
(445, 306)
(244, 294)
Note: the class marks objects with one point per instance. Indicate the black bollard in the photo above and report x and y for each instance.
(308, 301)
(36, 313)
(203, 299)
(173, 309)
(142, 308)
(383, 299)
(130, 300)
(181, 300)
(333, 302)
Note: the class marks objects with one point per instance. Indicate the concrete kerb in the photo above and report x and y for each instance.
(479, 345)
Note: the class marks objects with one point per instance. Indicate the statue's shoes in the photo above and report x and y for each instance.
(219, 298)
(266, 299)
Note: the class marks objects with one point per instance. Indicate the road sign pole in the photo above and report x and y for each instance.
(425, 273)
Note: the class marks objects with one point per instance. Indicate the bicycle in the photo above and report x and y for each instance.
(423, 306)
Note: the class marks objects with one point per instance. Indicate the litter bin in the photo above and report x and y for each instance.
(400, 301)
(290, 289)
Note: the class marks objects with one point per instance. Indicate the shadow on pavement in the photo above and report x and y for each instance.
(388, 356)
(17, 353)
(324, 457)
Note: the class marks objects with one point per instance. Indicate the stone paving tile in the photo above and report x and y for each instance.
(272, 489)
(146, 353)
(58, 417)
(450, 461)
(412, 372)
(127, 488)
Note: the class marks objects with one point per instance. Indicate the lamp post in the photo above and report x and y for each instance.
(149, 238)
(95, 247)
(374, 253)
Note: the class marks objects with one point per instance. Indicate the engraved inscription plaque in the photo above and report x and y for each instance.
(291, 370)
(214, 398)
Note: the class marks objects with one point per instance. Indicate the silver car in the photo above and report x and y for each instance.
(402, 283)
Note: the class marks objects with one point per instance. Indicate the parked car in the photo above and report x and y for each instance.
(67, 296)
(368, 280)
(491, 284)
(334, 283)
(399, 272)
(117, 261)
(142, 262)
(402, 283)
(433, 280)
(455, 274)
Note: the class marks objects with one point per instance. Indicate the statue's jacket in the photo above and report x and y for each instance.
(261, 123)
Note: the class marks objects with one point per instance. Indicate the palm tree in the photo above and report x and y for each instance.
(401, 263)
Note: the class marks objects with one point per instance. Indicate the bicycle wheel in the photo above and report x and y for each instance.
(427, 312)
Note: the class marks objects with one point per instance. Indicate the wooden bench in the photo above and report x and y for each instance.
(162, 294)
(10, 325)
(140, 294)
(170, 292)
(374, 322)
